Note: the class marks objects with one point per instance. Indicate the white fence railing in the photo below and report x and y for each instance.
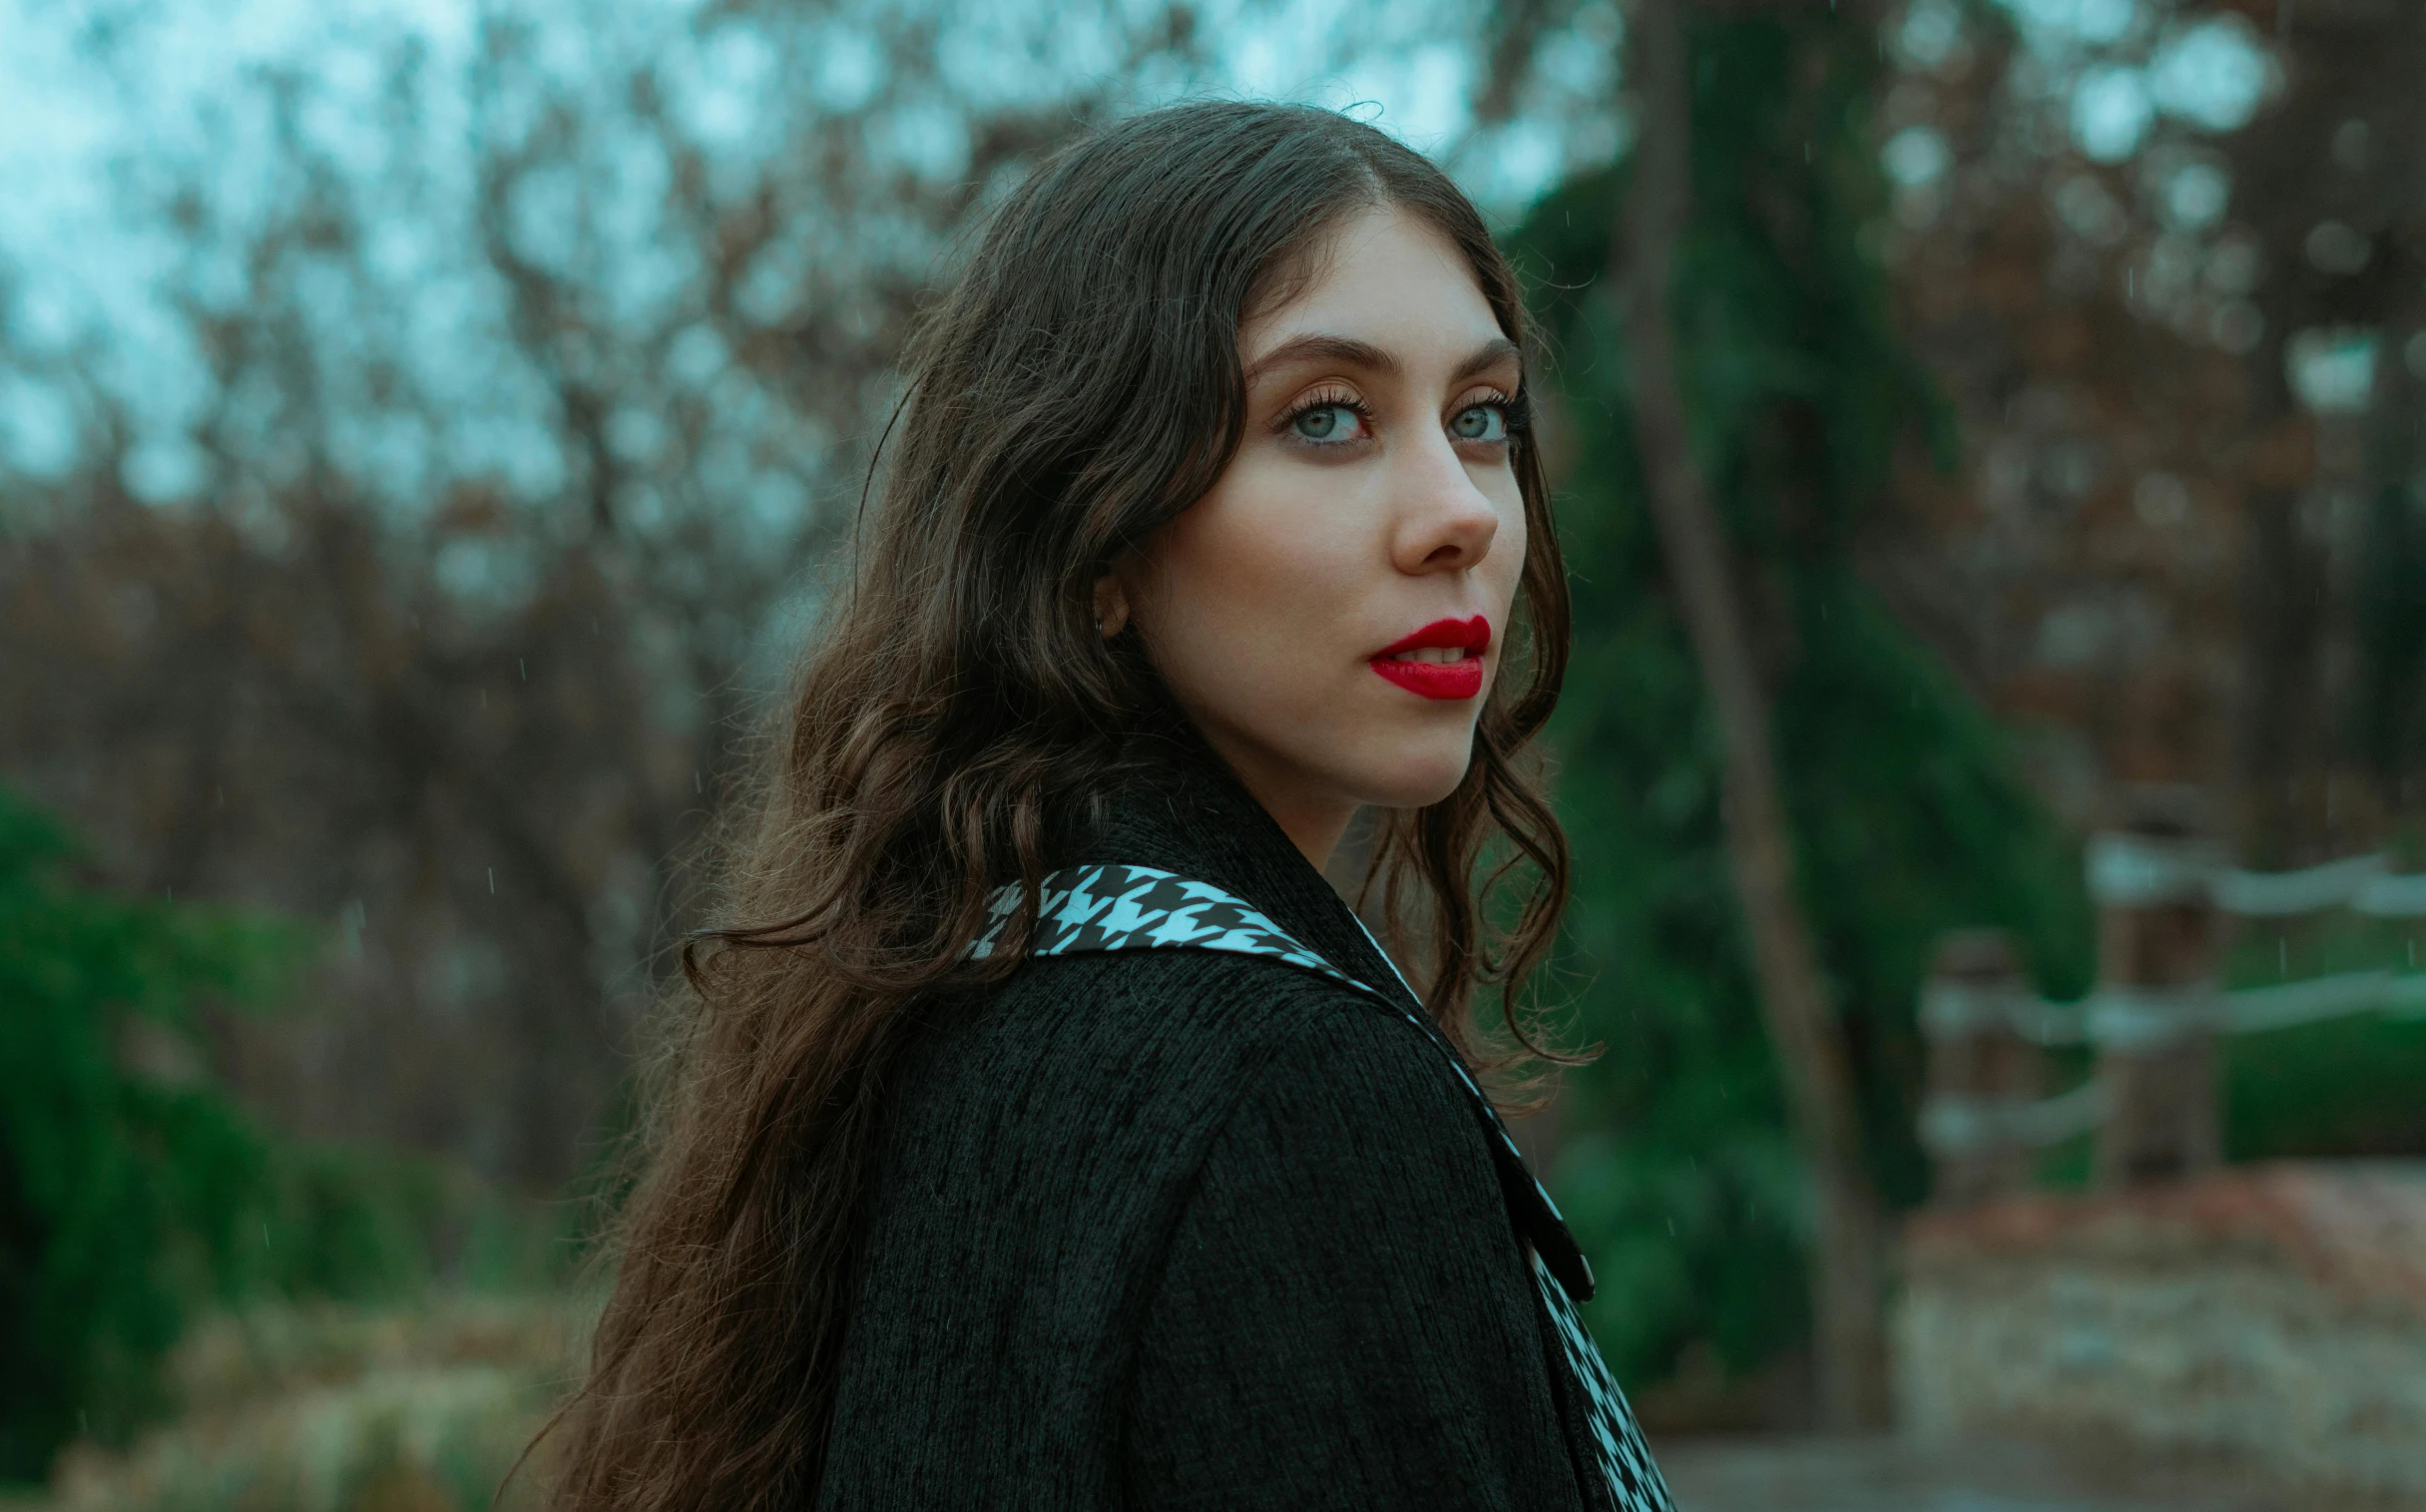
(2142, 1015)
(2160, 900)
(2129, 870)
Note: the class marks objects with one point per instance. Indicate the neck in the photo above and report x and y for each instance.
(1315, 818)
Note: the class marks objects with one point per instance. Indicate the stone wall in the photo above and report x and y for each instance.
(2272, 1315)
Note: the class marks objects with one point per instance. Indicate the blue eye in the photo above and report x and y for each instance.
(1480, 423)
(1325, 422)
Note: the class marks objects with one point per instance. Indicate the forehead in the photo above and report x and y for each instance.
(1384, 277)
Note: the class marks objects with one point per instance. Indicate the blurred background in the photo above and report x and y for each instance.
(422, 425)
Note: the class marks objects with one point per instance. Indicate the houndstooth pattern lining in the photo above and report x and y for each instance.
(1087, 909)
(1625, 1462)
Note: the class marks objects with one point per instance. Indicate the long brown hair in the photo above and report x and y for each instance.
(1079, 387)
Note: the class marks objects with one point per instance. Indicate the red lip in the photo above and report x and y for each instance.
(1462, 679)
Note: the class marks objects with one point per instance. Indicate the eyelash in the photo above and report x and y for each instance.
(1516, 410)
(1327, 398)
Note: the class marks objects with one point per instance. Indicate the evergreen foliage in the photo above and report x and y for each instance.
(128, 1184)
(135, 1192)
(1911, 817)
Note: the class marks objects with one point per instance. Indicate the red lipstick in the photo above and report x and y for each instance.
(1461, 678)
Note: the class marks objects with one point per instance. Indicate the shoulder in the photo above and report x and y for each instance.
(1124, 1066)
(1132, 1014)
(1042, 1138)
(1352, 1116)
(1179, 1071)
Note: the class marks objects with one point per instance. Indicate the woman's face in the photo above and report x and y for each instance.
(1331, 613)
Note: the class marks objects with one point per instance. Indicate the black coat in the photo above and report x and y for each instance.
(1172, 1228)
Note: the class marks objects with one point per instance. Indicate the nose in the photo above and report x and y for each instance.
(1445, 523)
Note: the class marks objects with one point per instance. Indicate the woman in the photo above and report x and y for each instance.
(1043, 1131)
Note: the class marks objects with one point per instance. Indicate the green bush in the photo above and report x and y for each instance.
(2352, 1086)
(2346, 1087)
(136, 1195)
(128, 1183)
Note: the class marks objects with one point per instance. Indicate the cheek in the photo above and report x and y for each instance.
(1250, 565)
(1506, 563)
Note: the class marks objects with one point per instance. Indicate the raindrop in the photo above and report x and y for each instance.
(526, 671)
(698, 784)
(492, 882)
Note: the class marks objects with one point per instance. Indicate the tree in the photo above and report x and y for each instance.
(1849, 1300)
(1795, 397)
(2167, 270)
(526, 410)
(2325, 184)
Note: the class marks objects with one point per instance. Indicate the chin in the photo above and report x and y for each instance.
(1417, 779)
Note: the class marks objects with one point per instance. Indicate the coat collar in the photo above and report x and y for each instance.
(1184, 812)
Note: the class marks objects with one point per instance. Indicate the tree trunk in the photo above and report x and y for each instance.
(1848, 1279)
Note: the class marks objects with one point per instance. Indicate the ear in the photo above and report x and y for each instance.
(1110, 606)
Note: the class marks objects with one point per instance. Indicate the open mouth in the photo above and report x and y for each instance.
(1444, 660)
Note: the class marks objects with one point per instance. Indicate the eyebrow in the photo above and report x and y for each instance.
(1352, 352)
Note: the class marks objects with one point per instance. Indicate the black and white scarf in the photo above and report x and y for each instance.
(1087, 909)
